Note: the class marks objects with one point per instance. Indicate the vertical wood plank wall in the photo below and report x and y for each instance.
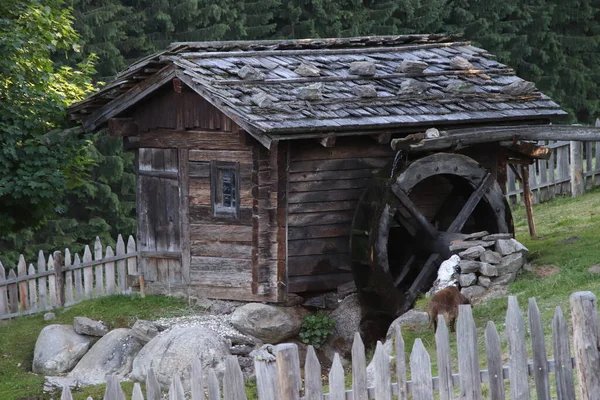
(324, 187)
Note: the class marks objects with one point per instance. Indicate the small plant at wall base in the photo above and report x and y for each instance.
(315, 329)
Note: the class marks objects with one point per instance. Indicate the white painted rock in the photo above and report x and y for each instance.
(171, 353)
(113, 354)
(58, 349)
(268, 323)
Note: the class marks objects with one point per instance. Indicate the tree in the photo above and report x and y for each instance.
(37, 164)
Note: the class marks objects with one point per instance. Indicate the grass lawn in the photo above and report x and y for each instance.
(568, 229)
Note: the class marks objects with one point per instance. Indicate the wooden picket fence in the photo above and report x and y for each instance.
(551, 178)
(62, 280)
(279, 375)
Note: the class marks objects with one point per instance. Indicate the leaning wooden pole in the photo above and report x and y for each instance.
(527, 198)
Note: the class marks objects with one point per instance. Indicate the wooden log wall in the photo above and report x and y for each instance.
(324, 187)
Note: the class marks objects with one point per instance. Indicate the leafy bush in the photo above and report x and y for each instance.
(315, 329)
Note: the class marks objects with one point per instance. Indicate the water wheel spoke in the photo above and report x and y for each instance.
(407, 203)
(470, 205)
(430, 266)
(405, 269)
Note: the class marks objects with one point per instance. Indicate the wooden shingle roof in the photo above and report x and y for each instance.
(278, 88)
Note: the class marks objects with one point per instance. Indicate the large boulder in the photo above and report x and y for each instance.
(347, 319)
(268, 323)
(144, 331)
(171, 353)
(58, 349)
(113, 354)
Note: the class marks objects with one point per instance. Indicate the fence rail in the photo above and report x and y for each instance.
(279, 375)
(554, 177)
(63, 279)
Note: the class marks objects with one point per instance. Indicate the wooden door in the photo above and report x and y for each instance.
(159, 215)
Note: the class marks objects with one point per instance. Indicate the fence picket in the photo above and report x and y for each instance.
(33, 302)
(152, 386)
(99, 269)
(517, 359)
(66, 393)
(77, 277)
(585, 343)
(52, 297)
(13, 295)
(88, 274)
(23, 288)
(538, 347)
(288, 371)
(42, 280)
(197, 379)
(337, 388)
(109, 270)
(121, 266)
(68, 279)
(442, 342)
(113, 389)
(400, 363)
(359, 369)
(312, 375)
(3, 292)
(233, 381)
(131, 262)
(137, 392)
(214, 393)
(468, 355)
(176, 389)
(420, 370)
(383, 381)
(494, 362)
(266, 374)
(565, 388)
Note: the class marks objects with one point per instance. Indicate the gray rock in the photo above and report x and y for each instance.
(307, 69)
(488, 269)
(458, 86)
(327, 301)
(346, 289)
(310, 92)
(262, 100)
(413, 317)
(411, 67)
(365, 91)
(249, 73)
(518, 88)
(58, 349)
(467, 266)
(113, 354)
(241, 350)
(594, 269)
(509, 246)
(347, 319)
(467, 279)
(268, 323)
(504, 279)
(484, 281)
(510, 263)
(412, 86)
(144, 331)
(472, 253)
(362, 68)
(49, 316)
(87, 326)
(460, 63)
(498, 236)
(472, 292)
(476, 235)
(463, 245)
(172, 351)
(293, 300)
(491, 257)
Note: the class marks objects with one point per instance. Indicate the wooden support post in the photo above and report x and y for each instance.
(584, 315)
(577, 182)
(527, 199)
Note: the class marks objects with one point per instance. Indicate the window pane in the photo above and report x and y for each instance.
(225, 188)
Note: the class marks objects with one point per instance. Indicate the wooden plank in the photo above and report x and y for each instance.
(4, 306)
(359, 369)
(220, 263)
(184, 214)
(266, 374)
(204, 214)
(69, 299)
(197, 380)
(221, 249)
(382, 376)
(563, 373)
(23, 288)
(66, 393)
(442, 344)
(152, 386)
(88, 274)
(314, 176)
(99, 269)
(13, 293)
(319, 231)
(214, 393)
(584, 316)
(241, 156)
(322, 206)
(361, 162)
(299, 284)
(494, 362)
(320, 218)
(400, 363)
(78, 280)
(312, 375)
(233, 381)
(468, 355)
(137, 392)
(110, 272)
(517, 359)
(222, 279)
(538, 347)
(42, 282)
(113, 389)
(52, 295)
(163, 138)
(132, 268)
(319, 246)
(121, 127)
(337, 389)
(221, 233)
(420, 368)
(288, 371)
(576, 169)
(325, 196)
(313, 186)
(33, 293)
(350, 149)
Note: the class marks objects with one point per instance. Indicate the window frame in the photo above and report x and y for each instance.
(219, 211)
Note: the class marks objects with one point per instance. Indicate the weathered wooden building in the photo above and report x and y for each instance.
(265, 168)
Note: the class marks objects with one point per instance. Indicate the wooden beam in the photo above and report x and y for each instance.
(528, 149)
(470, 205)
(470, 136)
(121, 127)
(414, 212)
(328, 141)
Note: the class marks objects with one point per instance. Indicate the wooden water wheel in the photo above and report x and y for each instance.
(408, 216)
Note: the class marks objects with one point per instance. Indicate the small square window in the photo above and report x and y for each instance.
(225, 189)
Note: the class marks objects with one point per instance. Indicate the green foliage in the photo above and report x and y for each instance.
(315, 329)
